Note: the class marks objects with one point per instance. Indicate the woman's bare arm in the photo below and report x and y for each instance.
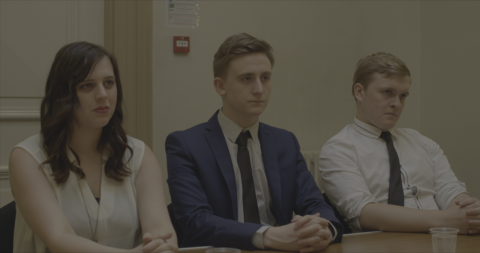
(152, 208)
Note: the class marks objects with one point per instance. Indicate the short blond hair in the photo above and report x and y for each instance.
(237, 45)
(383, 63)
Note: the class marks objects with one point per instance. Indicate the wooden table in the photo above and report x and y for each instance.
(399, 242)
(384, 242)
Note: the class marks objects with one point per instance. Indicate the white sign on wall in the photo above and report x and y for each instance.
(182, 14)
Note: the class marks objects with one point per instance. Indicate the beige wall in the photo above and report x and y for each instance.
(316, 45)
(450, 85)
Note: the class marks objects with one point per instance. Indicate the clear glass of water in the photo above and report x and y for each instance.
(444, 240)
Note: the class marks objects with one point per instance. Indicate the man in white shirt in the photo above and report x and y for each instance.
(383, 178)
(235, 181)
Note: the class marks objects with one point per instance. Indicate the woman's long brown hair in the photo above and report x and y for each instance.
(72, 65)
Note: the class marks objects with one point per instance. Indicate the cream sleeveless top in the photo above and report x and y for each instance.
(118, 222)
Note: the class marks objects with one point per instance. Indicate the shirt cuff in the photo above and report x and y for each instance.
(257, 239)
(333, 230)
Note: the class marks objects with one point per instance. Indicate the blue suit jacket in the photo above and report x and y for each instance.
(203, 189)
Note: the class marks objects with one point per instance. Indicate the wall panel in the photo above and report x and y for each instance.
(27, 48)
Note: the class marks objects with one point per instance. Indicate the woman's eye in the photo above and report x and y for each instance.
(86, 86)
(109, 83)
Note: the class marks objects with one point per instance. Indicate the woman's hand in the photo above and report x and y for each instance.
(158, 244)
(159, 234)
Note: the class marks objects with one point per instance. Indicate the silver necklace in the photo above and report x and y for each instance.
(93, 232)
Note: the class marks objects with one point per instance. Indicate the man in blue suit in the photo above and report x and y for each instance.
(234, 181)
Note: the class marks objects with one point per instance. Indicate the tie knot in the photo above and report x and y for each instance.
(242, 139)
(387, 136)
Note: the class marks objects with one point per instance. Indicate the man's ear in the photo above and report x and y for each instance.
(359, 92)
(219, 86)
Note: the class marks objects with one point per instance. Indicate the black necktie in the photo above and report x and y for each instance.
(250, 208)
(395, 191)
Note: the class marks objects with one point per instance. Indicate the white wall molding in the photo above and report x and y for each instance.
(12, 115)
(4, 172)
(72, 20)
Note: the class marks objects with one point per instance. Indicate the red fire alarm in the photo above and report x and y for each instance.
(181, 44)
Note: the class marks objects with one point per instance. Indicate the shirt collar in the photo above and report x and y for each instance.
(232, 130)
(369, 130)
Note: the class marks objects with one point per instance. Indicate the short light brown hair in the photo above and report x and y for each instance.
(383, 63)
(237, 45)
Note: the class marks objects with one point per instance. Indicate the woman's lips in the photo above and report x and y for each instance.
(102, 109)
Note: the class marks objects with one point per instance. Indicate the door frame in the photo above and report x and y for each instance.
(128, 35)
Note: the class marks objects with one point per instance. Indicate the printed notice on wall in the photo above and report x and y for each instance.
(182, 14)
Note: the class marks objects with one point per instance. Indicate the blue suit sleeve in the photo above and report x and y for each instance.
(191, 204)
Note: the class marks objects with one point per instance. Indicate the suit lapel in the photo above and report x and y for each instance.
(217, 142)
(270, 162)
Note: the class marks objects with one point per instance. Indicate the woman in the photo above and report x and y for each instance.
(82, 184)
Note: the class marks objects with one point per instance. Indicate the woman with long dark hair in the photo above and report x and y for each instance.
(82, 184)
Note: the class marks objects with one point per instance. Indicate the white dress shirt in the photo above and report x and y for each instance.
(355, 171)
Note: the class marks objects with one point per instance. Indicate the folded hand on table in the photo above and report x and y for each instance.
(456, 217)
(313, 232)
(472, 210)
(159, 243)
(305, 234)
